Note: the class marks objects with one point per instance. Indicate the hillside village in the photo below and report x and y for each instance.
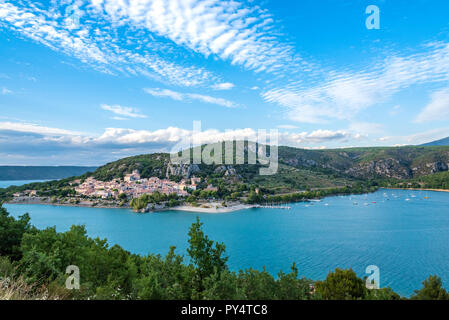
(133, 186)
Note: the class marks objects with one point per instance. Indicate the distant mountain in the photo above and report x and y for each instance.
(441, 142)
(41, 173)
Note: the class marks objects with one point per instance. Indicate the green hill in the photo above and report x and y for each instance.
(299, 169)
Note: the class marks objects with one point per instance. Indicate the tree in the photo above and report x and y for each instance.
(341, 285)
(205, 257)
(292, 288)
(254, 197)
(432, 290)
(11, 233)
(382, 294)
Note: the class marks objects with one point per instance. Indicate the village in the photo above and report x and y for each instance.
(134, 186)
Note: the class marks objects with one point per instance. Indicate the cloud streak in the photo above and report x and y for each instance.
(123, 111)
(231, 30)
(178, 96)
(437, 109)
(342, 95)
(97, 45)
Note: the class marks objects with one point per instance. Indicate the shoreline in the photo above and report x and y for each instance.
(416, 189)
(30, 200)
(213, 209)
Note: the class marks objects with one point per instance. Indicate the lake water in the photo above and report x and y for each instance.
(407, 239)
(8, 183)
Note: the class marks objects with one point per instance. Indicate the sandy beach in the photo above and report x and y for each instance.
(212, 207)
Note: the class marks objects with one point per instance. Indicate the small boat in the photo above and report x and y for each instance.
(407, 199)
(374, 202)
(326, 204)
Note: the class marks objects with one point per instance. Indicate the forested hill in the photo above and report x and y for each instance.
(41, 172)
(300, 168)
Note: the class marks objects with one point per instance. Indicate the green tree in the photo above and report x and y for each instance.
(432, 290)
(289, 287)
(382, 294)
(206, 257)
(11, 233)
(341, 285)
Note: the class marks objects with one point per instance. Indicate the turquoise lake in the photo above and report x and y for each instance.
(407, 239)
(8, 183)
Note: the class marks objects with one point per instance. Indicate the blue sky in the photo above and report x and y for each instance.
(84, 82)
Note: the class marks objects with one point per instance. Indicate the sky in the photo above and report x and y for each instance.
(85, 82)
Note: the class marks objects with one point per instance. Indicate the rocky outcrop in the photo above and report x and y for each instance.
(430, 167)
(385, 168)
(226, 170)
(182, 170)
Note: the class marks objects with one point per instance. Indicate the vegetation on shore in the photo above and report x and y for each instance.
(33, 264)
(438, 180)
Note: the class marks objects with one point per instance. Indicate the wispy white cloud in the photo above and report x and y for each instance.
(5, 91)
(287, 126)
(178, 96)
(165, 93)
(36, 129)
(417, 138)
(123, 111)
(314, 137)
(367, 128)
(342, 95)
(223, 86)
(96, 44)
(437, 109)
(208, 99)
(231, 30)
